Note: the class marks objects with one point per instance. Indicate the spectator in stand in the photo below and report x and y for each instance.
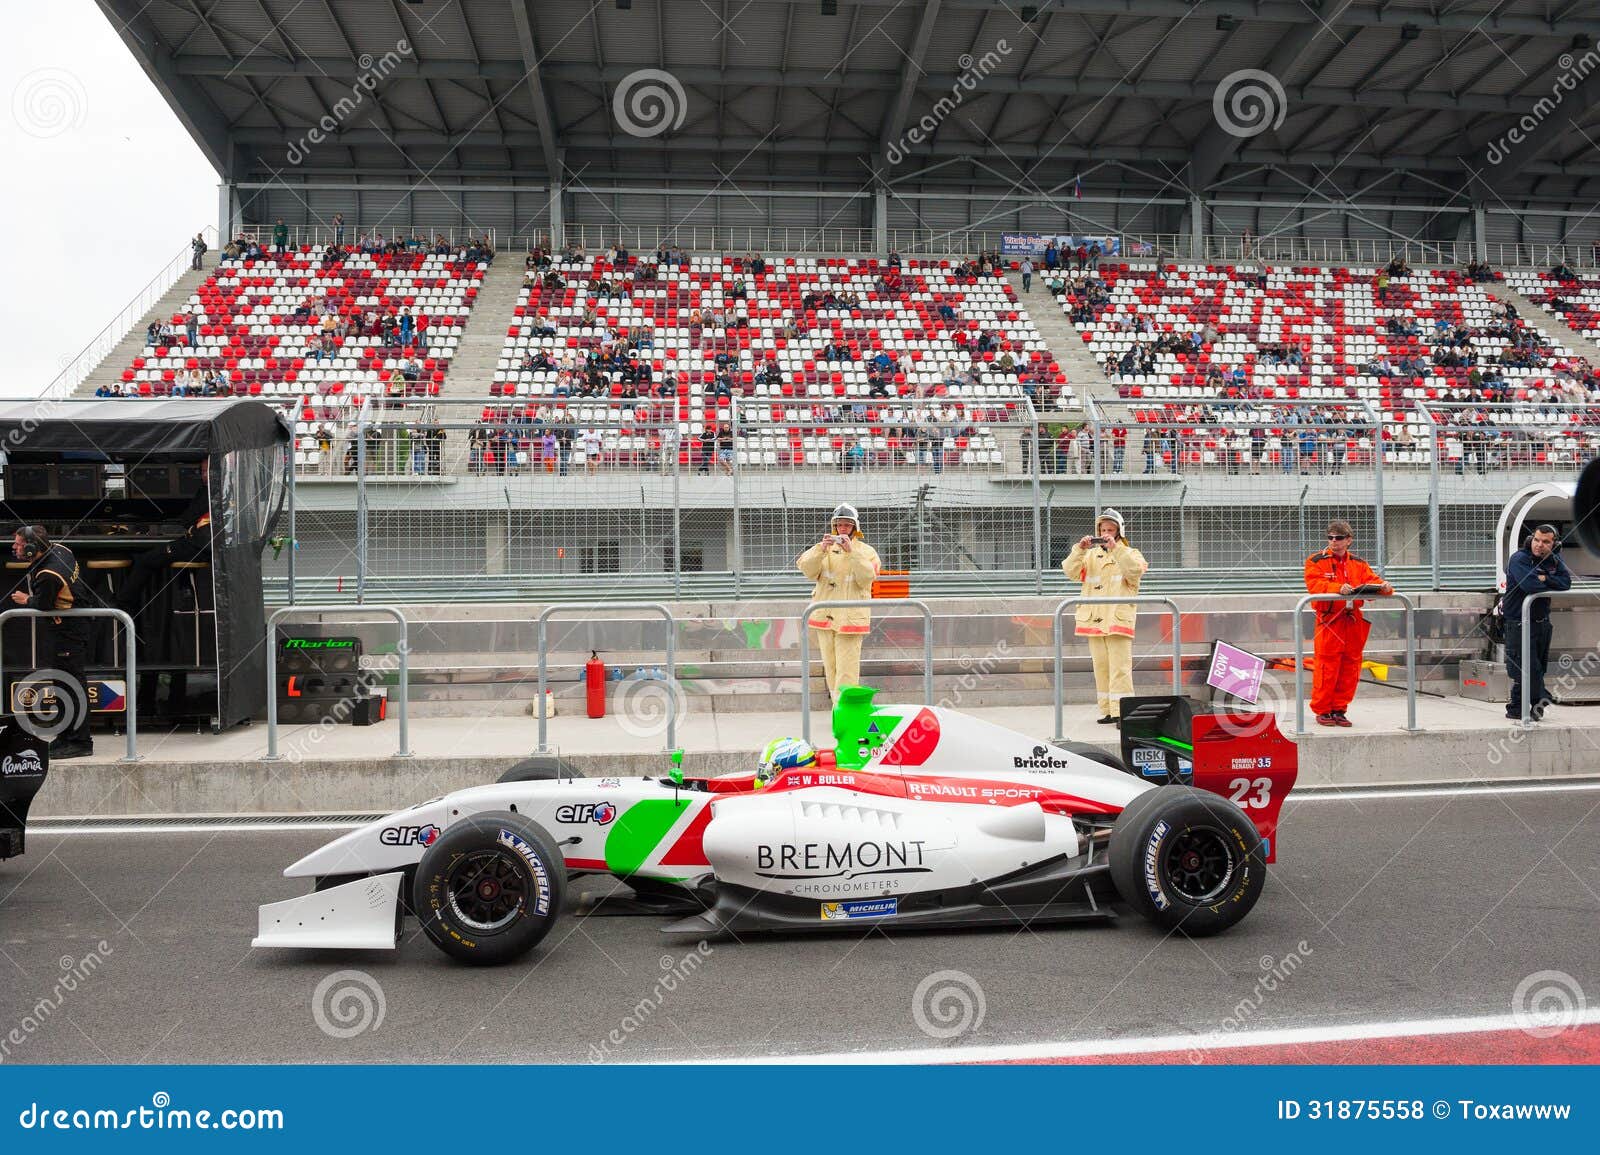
(1095, 253)
(338, 229)
(1052, 258)
(280, 237)
(1535, 568)
(1341, 630)
(198, 247)
(191, 328)
(1082, 254)
(1026, 269)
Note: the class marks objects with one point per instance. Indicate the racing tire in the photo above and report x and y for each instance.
(541, 768)
(1187, 860)
(1094, 754)
(490, 888)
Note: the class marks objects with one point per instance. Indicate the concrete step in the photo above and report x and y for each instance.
(1546, 321)
(132, 343)
(1064, 339)
(472, 369)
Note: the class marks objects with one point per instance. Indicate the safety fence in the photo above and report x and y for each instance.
(705, 493)
(1408, 607)
(62, 716)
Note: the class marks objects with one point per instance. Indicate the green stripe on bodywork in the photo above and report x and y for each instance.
(1189, 746)
(639, 830)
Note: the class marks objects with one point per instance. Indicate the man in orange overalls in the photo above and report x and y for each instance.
(1341, 630)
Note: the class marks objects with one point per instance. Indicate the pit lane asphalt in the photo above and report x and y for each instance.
(1408, 907)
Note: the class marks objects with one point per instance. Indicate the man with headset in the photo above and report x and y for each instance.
(52, 583)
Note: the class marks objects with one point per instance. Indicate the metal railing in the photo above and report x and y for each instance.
(861, 603)
(671, 651)
(323, 234)
(1525, 629)
(130, 698)
(1410, 609)
(1057, 634)
(404, 684)
(102, 343)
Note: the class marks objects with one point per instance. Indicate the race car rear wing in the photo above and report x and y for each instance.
(1240, 755)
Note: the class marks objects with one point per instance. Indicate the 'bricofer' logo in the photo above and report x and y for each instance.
(1040, 759)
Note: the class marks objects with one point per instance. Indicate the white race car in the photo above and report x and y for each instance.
(920, 816)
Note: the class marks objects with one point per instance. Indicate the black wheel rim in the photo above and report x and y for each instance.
(1200, 864)
(487, 891)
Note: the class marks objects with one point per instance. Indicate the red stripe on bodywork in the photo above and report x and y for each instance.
(916, 745)
(688, 850)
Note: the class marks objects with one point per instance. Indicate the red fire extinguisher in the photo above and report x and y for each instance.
(594, 680)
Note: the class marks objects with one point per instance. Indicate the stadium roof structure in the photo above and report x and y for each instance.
(1449, 100)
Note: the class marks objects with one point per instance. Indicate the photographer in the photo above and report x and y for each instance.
(1342, 631)
(1535, 568)
(52, 583)
(843, 566)
(1107, 565)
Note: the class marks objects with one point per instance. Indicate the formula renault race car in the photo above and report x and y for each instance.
(919, 817)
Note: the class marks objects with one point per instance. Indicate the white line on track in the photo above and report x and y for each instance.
(335, 823)
(1154, 1044)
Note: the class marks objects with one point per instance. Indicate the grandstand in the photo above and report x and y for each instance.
(537, 253)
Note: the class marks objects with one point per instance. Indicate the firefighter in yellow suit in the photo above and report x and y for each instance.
(843, 565)
(1108, 566)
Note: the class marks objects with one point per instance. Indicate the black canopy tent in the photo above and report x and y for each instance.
(118, 496)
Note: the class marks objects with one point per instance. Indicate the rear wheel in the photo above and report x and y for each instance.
(1187, 860)
(490, 888)
(1094, 754)
(541, 768)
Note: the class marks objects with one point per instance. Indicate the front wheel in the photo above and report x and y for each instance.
(1187, 860)
(490, 888)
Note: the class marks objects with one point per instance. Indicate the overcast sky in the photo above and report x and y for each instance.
(102, 185)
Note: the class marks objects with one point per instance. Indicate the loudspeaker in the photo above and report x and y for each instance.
(1586, 508)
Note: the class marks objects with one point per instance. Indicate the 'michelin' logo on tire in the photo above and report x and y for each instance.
(1152, 866)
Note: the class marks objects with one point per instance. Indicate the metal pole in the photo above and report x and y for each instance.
(860, 603)
(1377, 481)
(129, 673)
(734, 436)
(1433, 492)
(1099, 461)
(677, 530)
(361, 505)
(1304, 489)
(1039, 561)
(289, 457)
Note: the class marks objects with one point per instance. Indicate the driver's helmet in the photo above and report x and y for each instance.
(783, 754)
